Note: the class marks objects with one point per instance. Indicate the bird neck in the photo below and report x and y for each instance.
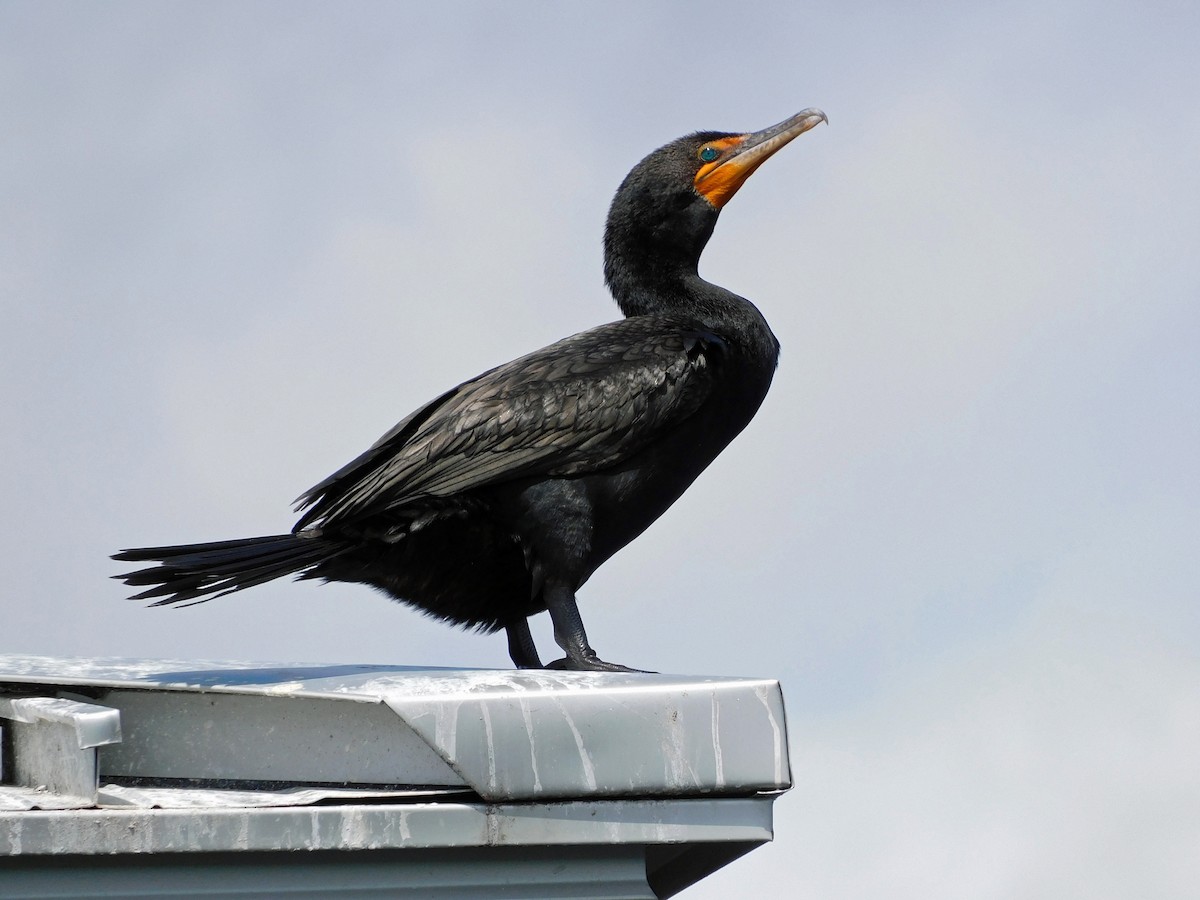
(667, 284)
(652, 246)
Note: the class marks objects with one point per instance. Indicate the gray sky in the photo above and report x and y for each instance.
(240, 240)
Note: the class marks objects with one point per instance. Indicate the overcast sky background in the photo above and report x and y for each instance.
(240, 240)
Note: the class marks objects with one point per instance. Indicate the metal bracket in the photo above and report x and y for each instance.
(53, 745)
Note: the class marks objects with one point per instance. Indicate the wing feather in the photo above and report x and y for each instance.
(581, 405)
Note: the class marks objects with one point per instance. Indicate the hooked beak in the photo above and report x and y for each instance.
(741, 154)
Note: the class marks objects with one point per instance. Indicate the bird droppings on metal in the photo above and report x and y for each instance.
(523, 705)
(760, 691)
(718, 764)
(585, 758)
(491, 747)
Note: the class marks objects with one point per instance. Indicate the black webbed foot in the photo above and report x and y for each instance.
(592, 663)
(570, 635)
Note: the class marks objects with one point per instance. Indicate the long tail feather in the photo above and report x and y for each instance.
(194, 573)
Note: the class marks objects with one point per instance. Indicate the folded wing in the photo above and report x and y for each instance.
(581, 405)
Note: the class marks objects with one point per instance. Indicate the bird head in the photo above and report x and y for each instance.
(721, 163)
(666, 208)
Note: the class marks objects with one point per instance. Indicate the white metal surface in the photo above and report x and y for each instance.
(508, 735)
(397, 826)
(388, 781)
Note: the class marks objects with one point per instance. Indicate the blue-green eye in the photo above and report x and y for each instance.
(708, 154)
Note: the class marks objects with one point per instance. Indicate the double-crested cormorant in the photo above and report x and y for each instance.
(499, 499)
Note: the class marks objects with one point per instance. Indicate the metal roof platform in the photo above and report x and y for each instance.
(162, 778)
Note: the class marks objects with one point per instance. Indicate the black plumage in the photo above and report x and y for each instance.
(498, 499)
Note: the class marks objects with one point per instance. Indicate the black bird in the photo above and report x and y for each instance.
(499, 499)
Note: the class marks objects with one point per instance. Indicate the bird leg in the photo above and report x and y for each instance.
(570, 635)
(521, 647)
